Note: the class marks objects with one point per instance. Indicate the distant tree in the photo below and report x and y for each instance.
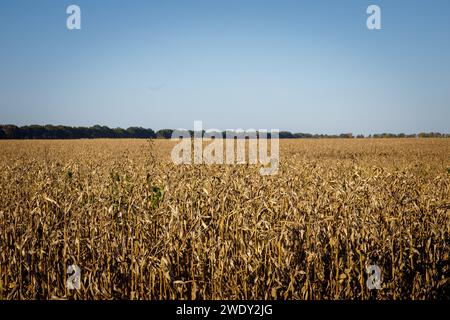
(436, 135)
(286, 135)
(98, 131)
(301, 135)
(164, 134)
(83, 133)
(138, 132)
(119, 133)
(32, 132)
(12, 132)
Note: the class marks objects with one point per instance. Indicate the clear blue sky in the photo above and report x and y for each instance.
(303, 66)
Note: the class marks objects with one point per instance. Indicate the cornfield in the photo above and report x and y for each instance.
(140, 227)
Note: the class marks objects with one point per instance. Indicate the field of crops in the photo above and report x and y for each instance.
(140, 227)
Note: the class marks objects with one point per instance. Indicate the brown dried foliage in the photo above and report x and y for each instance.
(140, 227)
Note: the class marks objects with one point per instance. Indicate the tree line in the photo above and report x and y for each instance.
(97, 131)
